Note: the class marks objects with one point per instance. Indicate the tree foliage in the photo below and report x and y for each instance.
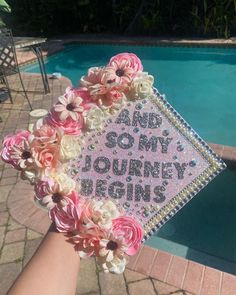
(215, 18)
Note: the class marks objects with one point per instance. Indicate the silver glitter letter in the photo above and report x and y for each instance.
(122, 169)
(154, 120)
(180, 169)
(166, 170)
(101, 188)
(146, 144)
(164, 143)
(106, 165)
(150, 169)
(125, 141)
(141, 193)
(139, 119)
(123, 118)
(111, 139)
(86, 187)
(159, 195)
(130, 191)
(134, 167)
(87, 166)
(116, 190)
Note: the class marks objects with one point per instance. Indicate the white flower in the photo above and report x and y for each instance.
(29, 175)
(116, 265)
(95, 118)
(70, 147)
(104, 212)
(66, 184)
(141, 86)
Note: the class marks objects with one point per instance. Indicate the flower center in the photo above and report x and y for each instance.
(26, 155)
(120, 72)
(70, 107)
(56, 197)
(111, 245)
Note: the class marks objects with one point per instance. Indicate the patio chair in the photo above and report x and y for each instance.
(8, 62)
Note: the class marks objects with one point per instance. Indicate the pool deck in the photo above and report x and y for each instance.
(23, 224)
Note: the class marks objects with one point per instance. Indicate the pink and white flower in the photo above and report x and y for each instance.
(72, 104)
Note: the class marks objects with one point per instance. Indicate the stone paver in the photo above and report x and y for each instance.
(112, 284)
(15, 236)
(12, 252)
(3, 218)
(4, 191)
(2, 231)
(31, 234)
(132, 276)
(145, 285)
(164, 289)
(30, 248)
(8, 273)
(88, 278)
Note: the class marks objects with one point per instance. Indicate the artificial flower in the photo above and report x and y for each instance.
(16, 149)
(116, 265)
(127, 61)
(70, 147)
(66, 217)
(129, 228)
(68, 126)
(72, 104)
(141, 86)
(94, 118)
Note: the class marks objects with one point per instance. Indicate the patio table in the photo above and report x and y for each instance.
(34, 44)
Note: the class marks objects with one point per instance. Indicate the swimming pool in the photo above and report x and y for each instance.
(198, 82)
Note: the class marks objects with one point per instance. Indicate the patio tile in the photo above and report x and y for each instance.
(193, 278)
(30, 248)
(12, 224)
(228, 284)
(15, 236)
(163, 288)
(31, 235)
(132, 276)
(161, 265)
(88, 279)
(211, 282)
(142, 287)
(177, 271)
(8, 180)
(112, 284)
(12, 252)
(8, 274)
(3, 218)
(9, 172)
(145, 260)
(133, 259)
(3, 206)
(2, 234)
(4, 192)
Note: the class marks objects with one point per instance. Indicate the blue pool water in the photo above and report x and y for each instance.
(198, 82)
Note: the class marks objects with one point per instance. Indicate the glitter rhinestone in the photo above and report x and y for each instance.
(144, 101)
(178, 142)
(180, 148)
(190, 174)
(165, 132)
(126, 205)
(162, 188)
(114, 152)
(140, 181)
(91, 147)
(145, 214)
(139, 106)
(136, 130)
(109, 121)
(165, 182)
(129, 153)
(108, 176)
(129, 178)
(175, 157)
(142, 157)
(123, 128)
(192, 163)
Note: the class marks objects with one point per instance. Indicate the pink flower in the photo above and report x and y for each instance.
(45, 142)
(73, 103)
(66, 218)
(130, 230)
(69, 126)
(16, 150)
(122, 68)
(126, 60)
(86, 245)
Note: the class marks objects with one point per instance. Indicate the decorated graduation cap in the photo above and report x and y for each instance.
(112, 161)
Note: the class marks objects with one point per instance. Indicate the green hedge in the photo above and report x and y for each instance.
(211, 18)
